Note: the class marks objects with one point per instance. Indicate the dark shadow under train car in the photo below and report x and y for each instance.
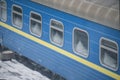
(73, 47)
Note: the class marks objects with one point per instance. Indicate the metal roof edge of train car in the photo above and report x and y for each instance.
(93, 12)
(61, 51)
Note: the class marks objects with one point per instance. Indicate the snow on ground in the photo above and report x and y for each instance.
(13, 70)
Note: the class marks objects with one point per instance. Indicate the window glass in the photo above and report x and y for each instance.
(3, 10)
(56, 25)
(17, 9)
(109, 44)
(57, 32)
(17, 16)
(109, 54)
(80, 42)
(35, 24)
(17, 20)
(36, 16)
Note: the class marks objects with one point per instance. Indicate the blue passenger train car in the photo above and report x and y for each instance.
(77, 39)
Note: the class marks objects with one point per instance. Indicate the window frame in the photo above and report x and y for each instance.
(4, 20)
(21, 14)
(36, 13)
(58, 30)
(79, 54)
(116, 52)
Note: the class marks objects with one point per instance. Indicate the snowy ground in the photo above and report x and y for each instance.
(13, 70)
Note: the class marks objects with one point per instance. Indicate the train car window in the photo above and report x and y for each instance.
(109, 53)
(3, 10)
(80, 42)
(17, 15)
(35, 24)
(56, 32)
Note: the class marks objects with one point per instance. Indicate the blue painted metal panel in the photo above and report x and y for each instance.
(51, 59)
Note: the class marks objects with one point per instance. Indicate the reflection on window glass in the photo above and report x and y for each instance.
(109, 54)
(3, 10)
(17, 19)
(57, 32)
(17, 16)
(56, 36)
(80, 42)
(35, 24)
